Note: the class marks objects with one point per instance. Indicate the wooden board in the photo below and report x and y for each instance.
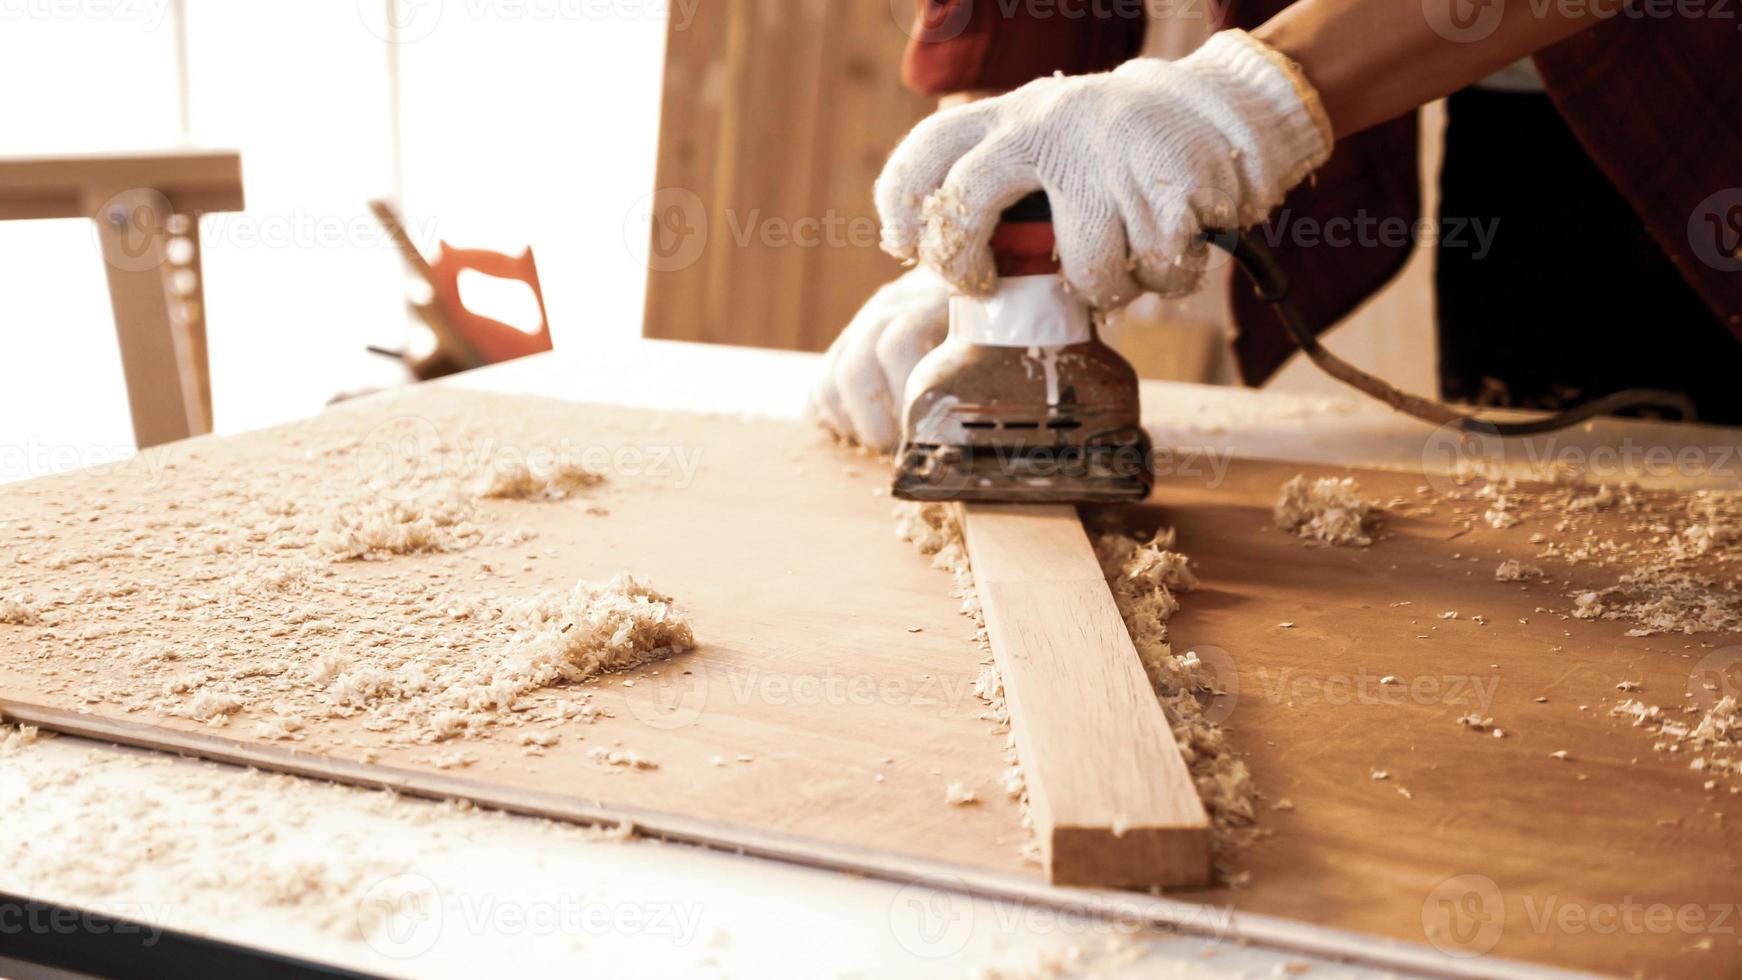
(1109, 795)
(831, 653)
(772, 130)
(801, 596)
(1499, 849)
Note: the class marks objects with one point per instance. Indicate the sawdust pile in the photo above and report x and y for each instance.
(1326, 511)
(470, 666)
(267, 584)
(1145, 576)
(373, 529)
(1676, 555)
(17, 612)
(1513, 570)
(149, 836)
(1711, 736)
(516, 480)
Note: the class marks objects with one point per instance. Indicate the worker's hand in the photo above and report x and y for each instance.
(859, 395)
(1135, 161)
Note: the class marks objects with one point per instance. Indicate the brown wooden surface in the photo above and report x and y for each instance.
(772, 130)
(782, 550)
(1110, 797)
(1568, 846)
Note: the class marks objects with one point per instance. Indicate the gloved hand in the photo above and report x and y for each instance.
(1135, 161)
(859, 395)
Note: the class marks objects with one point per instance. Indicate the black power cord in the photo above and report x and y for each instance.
(1271, 285)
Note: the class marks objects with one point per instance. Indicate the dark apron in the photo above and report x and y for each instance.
(1572, 299)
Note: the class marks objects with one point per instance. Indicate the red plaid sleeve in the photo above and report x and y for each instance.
(979, 45)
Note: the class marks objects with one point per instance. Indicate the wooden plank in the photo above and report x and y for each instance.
(159, 360)
(1110, 797)
(62, 186)
(771, 132)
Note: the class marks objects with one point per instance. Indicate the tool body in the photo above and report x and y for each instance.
(1023, 402)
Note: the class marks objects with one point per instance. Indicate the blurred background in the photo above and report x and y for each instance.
(495, 124)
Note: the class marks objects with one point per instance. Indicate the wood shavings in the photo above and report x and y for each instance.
(1326, 511)
(1146, 576)
(956, 794)
(620, 758)
(517, 481)
(1513, 570)
(306, 590)
(377, 529)
(18, 612)
(1587, 605)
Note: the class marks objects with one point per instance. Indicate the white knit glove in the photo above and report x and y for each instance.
(859, 395)
(1135, 161)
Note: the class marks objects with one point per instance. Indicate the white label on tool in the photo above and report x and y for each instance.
(1023, 311)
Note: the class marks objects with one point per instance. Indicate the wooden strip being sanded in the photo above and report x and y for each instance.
(1109, 794)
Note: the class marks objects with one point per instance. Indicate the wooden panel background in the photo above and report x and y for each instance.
(776, 118)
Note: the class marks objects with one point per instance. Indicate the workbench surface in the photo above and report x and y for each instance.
(544, 898)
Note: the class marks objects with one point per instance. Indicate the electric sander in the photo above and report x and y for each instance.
(1023, 403)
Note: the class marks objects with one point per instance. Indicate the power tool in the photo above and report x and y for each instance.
(1023, 403)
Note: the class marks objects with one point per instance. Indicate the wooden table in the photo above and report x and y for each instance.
(756, 916)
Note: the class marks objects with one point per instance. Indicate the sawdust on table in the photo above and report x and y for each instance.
(1145, 576)
(1677, 559)
(213, 591)
(1326, 511)
(125, 841)
(1677, 556)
